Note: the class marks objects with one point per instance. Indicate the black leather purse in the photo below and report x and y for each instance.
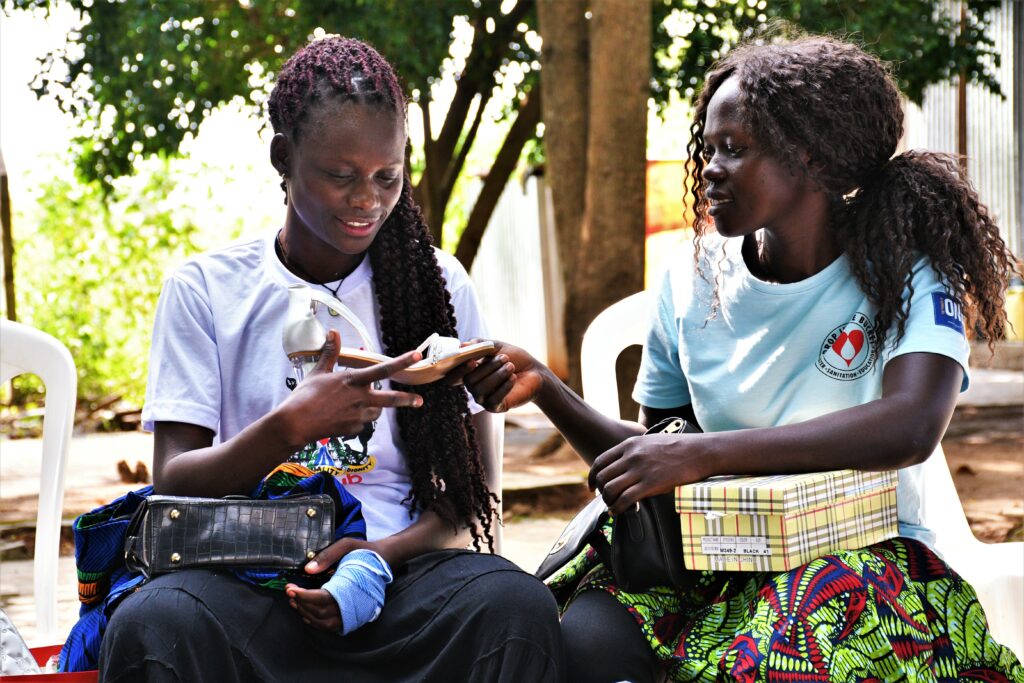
(169, 533)
(646, 548)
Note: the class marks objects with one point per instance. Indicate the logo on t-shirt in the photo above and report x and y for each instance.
(347, 458)
(849, 351)
(947, 311)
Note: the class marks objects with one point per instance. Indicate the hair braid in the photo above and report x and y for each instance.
(438, 440)
(332, 67)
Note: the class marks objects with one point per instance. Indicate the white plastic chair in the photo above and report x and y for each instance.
(24, 349)
(492, 470)
(996, 571)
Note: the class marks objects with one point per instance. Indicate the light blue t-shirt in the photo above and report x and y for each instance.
(778, 354)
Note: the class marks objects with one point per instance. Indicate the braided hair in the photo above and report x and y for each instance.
(439, 440)
(827, 109)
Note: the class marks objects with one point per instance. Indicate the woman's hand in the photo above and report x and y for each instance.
(341, 402)
(646, 465)
(506, 380)
(316, 606)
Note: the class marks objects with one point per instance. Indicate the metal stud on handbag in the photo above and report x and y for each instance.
(169, 533)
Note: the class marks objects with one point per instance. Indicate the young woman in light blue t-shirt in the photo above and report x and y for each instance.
(819, 324)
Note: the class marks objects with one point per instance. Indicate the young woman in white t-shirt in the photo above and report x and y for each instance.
(417, 605)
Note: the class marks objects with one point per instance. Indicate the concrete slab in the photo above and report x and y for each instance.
(994, 387)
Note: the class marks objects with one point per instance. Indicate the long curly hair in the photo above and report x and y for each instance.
(827, 109)
(439, 441)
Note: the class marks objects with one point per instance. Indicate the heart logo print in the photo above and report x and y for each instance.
(848, 344)
(849, 350)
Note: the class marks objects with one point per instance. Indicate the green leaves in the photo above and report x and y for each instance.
(91, 273)
(925, 44)
(145, 73)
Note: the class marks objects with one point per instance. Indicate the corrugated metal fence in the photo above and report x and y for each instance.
(516, 272)
(995, 151)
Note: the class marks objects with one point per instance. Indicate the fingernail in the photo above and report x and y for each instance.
(417, 402)
(312, 566)
(503, 358)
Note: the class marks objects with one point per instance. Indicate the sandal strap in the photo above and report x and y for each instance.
(435, 347)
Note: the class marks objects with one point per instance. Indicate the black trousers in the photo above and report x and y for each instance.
(603, 643)
(448, 616)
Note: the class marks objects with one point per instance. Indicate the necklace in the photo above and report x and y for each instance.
(302, 272)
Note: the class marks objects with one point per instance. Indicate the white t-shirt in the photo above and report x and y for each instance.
(217, 361)
(778, 354)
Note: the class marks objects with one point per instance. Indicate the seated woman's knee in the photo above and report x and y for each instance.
(159, 611)
(505, 593)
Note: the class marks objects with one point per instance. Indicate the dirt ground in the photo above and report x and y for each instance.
(984, 448)
(985, 451)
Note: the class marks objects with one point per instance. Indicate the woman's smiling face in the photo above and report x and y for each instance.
(345, 175)
(747, 188)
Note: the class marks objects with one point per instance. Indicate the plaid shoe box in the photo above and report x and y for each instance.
(776, 523)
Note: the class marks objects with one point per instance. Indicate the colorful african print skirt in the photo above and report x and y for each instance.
(889, 612)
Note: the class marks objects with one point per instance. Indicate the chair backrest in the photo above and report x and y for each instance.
(492, 469)
(941, 508)
(621, 325)
(24, 349)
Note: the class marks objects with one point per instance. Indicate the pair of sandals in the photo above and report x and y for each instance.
(304, 336)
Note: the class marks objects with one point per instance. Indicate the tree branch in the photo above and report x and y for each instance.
(451, 174)
(482, 62)
(524, 128)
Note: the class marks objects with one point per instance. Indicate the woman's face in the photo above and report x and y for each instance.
(747, 188)
(345, 175)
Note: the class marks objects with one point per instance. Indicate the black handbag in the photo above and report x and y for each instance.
(646, 548)
(169, 533)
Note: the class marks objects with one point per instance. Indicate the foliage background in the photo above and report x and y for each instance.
(143, 79)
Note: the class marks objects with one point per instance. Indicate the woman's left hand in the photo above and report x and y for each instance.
(646, 465)
(315, 605)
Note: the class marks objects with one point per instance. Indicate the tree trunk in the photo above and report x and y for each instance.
(425, 193)
(564, 79)
(524, 128)
(611, 242)
(8, 242)
(444, 156)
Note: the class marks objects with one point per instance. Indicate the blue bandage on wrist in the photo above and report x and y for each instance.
(358, 588)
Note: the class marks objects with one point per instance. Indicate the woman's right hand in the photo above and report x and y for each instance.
(506, 380)
(340, 402)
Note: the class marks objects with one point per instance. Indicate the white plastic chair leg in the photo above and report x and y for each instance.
(28, 350)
